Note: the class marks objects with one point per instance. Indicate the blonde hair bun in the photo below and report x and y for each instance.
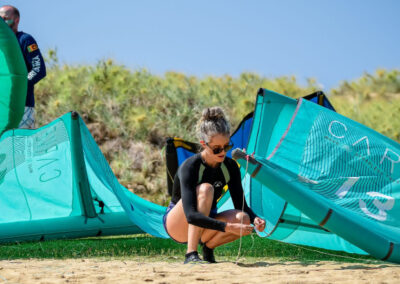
(212, 113)
(212, 122)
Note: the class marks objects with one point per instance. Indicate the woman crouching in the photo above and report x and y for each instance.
(192, 216)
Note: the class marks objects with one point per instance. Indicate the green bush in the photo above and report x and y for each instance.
(131, 112)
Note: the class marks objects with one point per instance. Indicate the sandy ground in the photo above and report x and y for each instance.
(120, 271)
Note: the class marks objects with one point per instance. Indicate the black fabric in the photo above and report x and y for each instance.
(171, 157)
(187, 179)
(208, 254)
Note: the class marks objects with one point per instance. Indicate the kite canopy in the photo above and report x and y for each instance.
(13, 79)
(56, 183)
(316, 169)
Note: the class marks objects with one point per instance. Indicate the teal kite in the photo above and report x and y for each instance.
(316, 169)
(13, 79)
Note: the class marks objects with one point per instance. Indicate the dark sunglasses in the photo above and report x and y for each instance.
(218, 150)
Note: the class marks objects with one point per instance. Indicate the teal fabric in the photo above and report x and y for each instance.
(147, 215)
(323, 162)
(13, 79)
(284, 222)
(44, 194)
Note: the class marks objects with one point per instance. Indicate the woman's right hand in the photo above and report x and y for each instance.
(238, 229)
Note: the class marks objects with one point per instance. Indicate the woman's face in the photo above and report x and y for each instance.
(217, 147)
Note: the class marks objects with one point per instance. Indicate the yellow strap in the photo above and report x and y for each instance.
(321, 100)
(224, 190)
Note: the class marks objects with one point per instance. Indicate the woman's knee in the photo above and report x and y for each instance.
(205, 190)
(242, 216)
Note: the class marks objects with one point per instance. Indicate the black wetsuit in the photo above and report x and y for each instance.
(194, 172)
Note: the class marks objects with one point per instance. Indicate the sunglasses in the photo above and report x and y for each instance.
(218, 150)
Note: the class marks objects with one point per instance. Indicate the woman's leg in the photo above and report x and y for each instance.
(205, 196)
(177, 225)
(213, 239)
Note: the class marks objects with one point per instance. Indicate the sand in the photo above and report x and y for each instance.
(130, 271)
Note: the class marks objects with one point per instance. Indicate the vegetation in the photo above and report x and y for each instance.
(144, 247)
(373, 100)
(130, 113)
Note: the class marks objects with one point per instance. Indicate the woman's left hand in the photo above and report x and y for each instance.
(259, 224)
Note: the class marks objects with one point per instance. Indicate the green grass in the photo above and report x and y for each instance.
(147, 248)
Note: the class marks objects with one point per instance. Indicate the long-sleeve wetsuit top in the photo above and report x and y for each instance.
(34, 63)
(194, 172)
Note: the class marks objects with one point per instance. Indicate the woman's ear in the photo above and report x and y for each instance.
(203, 145)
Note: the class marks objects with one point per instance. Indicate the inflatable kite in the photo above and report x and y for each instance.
(13, 79)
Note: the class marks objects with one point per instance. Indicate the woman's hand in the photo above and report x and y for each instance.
(259, 224)
(238, 229)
